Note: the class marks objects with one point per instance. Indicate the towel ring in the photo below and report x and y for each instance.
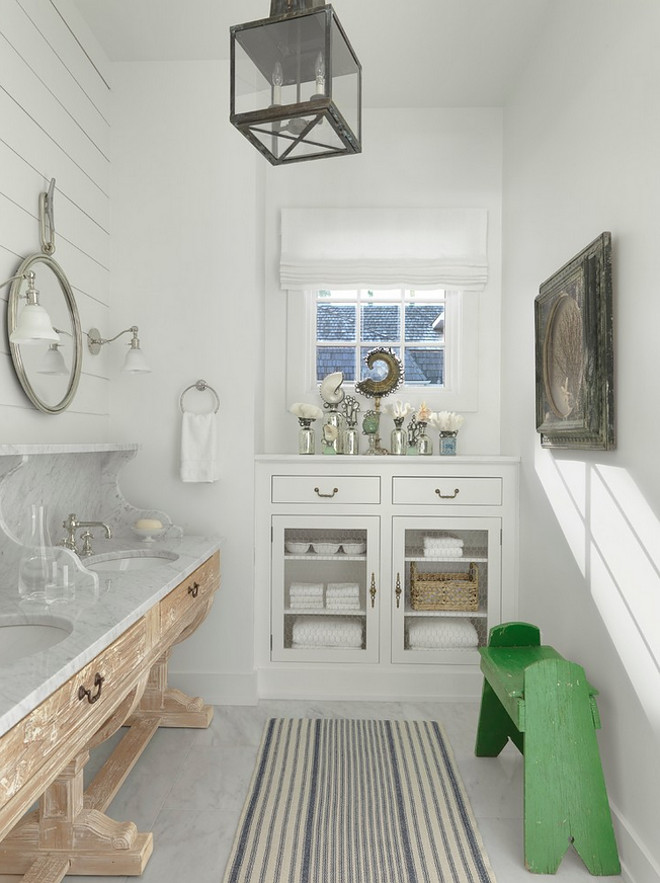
(201, 385)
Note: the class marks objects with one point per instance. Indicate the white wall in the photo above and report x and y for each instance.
(187, 270)
(55, 106)
(426, 158)
(582, 138)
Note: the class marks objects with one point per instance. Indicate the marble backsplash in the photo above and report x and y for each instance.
(80, 479)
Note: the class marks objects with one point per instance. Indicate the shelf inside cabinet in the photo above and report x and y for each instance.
(478, 555)
(468, 614)
(314, 556)
(314, 611)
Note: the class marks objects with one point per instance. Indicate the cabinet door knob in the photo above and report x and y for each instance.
(193, 590)
(372, 590)
(318, 493)
(447, 496)
(83, 691)
(397, 590)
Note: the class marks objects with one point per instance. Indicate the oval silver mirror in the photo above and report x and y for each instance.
(48, 372)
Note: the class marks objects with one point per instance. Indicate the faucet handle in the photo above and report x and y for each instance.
(86, 549)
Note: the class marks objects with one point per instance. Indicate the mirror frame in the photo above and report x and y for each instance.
(14, 349)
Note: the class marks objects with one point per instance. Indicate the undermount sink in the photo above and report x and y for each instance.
(137, 560)
(20, 638)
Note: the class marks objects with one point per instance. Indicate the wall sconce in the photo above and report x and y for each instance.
(33, 323)
(296, 83)
(53, 361)
(134, 363)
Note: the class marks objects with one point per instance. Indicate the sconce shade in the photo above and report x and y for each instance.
(33, 326)
(296, 86)
(53, 361)
(135, 362)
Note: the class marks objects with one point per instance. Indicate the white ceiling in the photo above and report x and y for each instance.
(414, 53)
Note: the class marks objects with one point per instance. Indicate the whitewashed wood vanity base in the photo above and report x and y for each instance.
(43, 756)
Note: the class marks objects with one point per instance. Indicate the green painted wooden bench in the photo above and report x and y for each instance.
(546, 706)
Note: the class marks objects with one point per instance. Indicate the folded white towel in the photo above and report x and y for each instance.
(445, 552)
(306, 603)
(340, 604)
(199, 443)
(342, 590)
(306, 589)
(327, 631)
(443, 540)
(433, 632)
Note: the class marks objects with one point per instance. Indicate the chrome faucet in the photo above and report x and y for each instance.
(71, 525)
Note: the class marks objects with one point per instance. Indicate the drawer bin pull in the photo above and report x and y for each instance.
(83, 691)
(318, 493)
(193, 590)
(447, 496)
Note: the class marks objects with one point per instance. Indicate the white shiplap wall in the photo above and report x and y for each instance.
(55, 104)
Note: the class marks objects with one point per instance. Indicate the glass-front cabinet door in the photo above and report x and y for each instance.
(325, 588)
(447, 587)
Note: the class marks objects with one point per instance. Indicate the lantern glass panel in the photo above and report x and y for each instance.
(345, 86)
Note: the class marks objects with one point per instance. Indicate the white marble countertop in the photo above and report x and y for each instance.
(97, 619)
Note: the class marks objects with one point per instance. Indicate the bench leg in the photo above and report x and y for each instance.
(495, 727)
(565, 795)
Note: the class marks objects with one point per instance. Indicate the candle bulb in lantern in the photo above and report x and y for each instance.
(319, 70)
(277, 80)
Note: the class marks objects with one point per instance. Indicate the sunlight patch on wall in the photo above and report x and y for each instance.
(615, 539)
(567, 495)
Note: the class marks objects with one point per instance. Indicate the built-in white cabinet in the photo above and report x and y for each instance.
(381, 576)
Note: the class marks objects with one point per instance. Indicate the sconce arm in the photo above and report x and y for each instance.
(95, 341)
(13, 279)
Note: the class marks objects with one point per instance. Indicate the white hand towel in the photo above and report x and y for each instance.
(199, 442)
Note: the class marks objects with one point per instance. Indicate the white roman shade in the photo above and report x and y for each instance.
(350, 248)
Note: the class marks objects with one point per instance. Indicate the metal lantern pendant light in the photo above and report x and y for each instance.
(296, 83)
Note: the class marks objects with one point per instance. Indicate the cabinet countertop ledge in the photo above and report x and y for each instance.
(123, 598)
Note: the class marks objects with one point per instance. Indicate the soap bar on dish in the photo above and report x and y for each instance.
(148, 524)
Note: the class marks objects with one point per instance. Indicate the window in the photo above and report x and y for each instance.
(334, 330)
(350, 323)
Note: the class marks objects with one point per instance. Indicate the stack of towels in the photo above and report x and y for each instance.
(306, 596)
(342, 596)
(327, 631)
(437, 632)
(443, 545)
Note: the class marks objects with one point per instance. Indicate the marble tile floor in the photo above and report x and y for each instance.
(189, 786)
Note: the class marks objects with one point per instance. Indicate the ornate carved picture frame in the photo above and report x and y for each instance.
(574, 352)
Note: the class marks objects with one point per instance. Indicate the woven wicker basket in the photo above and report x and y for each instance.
(444, 591)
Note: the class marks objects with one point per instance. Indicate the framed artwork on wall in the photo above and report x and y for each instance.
(574, 352)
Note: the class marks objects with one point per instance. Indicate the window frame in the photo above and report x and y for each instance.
(461, 354)
(400, 299)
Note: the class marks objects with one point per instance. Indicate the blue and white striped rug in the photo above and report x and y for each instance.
(356, 801)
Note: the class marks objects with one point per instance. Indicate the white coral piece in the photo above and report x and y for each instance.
(398, 410)
(306, 412)
(447, 421)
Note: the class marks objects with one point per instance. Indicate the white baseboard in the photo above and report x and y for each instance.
(637, 866)
(235, 688)
(315, 682)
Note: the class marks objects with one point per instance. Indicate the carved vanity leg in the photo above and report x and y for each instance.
(65, 830)
(174, 708)
(70, 833)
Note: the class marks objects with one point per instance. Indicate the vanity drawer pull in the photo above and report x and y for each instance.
(83, 691)
(193, 590)
(318, 493)
(447, 496)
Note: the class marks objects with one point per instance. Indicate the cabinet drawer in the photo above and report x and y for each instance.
(174, 608)
(447, 491)
(328, 488)
(66, 721)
